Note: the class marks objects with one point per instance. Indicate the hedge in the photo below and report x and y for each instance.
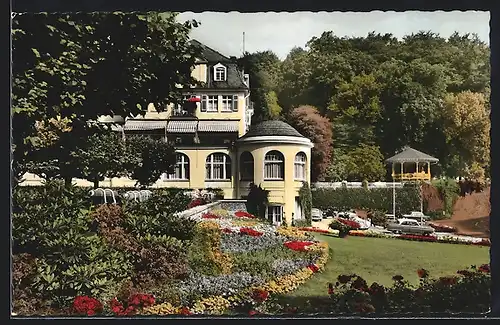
(343, 199)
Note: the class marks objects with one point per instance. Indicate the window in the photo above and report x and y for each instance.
(246, 166)
(219, 72)
(227, 103)
(218, 167)
(274, 165)
(300, 166)
(181, 169)
(275, 213)
(209, 103)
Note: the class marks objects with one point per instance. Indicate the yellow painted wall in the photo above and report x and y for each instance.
(283, 192)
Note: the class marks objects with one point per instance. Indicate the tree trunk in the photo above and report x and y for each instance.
(68, 181)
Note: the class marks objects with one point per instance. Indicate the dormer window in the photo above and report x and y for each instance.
(220, 72)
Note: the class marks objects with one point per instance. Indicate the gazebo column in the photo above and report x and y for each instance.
(393, 172)
(402, 169)
(416, 166)
(429, 170)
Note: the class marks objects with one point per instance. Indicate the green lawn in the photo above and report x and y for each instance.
(379, 259)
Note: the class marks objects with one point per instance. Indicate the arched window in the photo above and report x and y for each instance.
(274, 165)
(246, 166)
(218, 167)
(219, 72)
(181, 170)
(300, 166)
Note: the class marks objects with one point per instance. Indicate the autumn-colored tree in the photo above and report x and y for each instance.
(365, 163)
(467, 127)
(309, 122)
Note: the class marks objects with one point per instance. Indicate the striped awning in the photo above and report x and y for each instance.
(218, 126)
(182, 126)
(143, 125)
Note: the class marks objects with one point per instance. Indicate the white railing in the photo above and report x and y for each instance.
(357, 184)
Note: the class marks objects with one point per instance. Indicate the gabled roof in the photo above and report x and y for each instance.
(209, 54)
(411, 155)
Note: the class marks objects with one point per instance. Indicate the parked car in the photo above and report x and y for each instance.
(316, 214)
(417, 215)
(409, 226)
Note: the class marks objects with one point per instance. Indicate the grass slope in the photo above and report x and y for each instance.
(379, 259)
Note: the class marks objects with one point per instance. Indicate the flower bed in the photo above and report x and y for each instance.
(442, 228)
(264, 259)
(434, 238)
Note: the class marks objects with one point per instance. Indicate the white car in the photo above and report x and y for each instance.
(316, 214)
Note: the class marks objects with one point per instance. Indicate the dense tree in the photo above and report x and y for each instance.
(308, 121)
(263, 70)
(102, 156)
(365, 163)
(146, 159)
(80, 66)
(467, 127)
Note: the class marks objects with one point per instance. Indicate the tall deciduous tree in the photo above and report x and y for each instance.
(467, 127)
(365, 163)
(80, 66)
(308, 121)
(102, 156)
(146, 159)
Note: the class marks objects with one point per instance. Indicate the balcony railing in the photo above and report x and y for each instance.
(420, 176)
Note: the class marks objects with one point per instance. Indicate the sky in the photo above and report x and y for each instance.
(280, 32)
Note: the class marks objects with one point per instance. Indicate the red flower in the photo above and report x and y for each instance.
(85, 305)
(252, 312)
(485, 268)
(227, 230)
(244, 214)
(250, 232)
(330, 289)
(195, 203)
(185, 311)
(298, 245)
(260, 295)
(350, 223)
(313, 267)
(422, 273)
(209, 216)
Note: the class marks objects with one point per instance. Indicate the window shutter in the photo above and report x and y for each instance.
(204, 103)
(235, 103)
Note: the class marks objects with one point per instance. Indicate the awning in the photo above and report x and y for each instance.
(218, 126)
(142, 125)
(182, 126)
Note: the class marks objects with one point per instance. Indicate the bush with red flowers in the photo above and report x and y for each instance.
(196, 202)
(442, 228)
(350, 223)
(84, 305)
(209, 216)
(299, 246)
(343, 226)
(244, 214)
(134, 303)
(250, 232)
(260, 295)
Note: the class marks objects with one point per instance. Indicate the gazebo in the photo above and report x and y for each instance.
(413, 165)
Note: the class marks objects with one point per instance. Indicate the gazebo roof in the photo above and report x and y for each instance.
(411, 155)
